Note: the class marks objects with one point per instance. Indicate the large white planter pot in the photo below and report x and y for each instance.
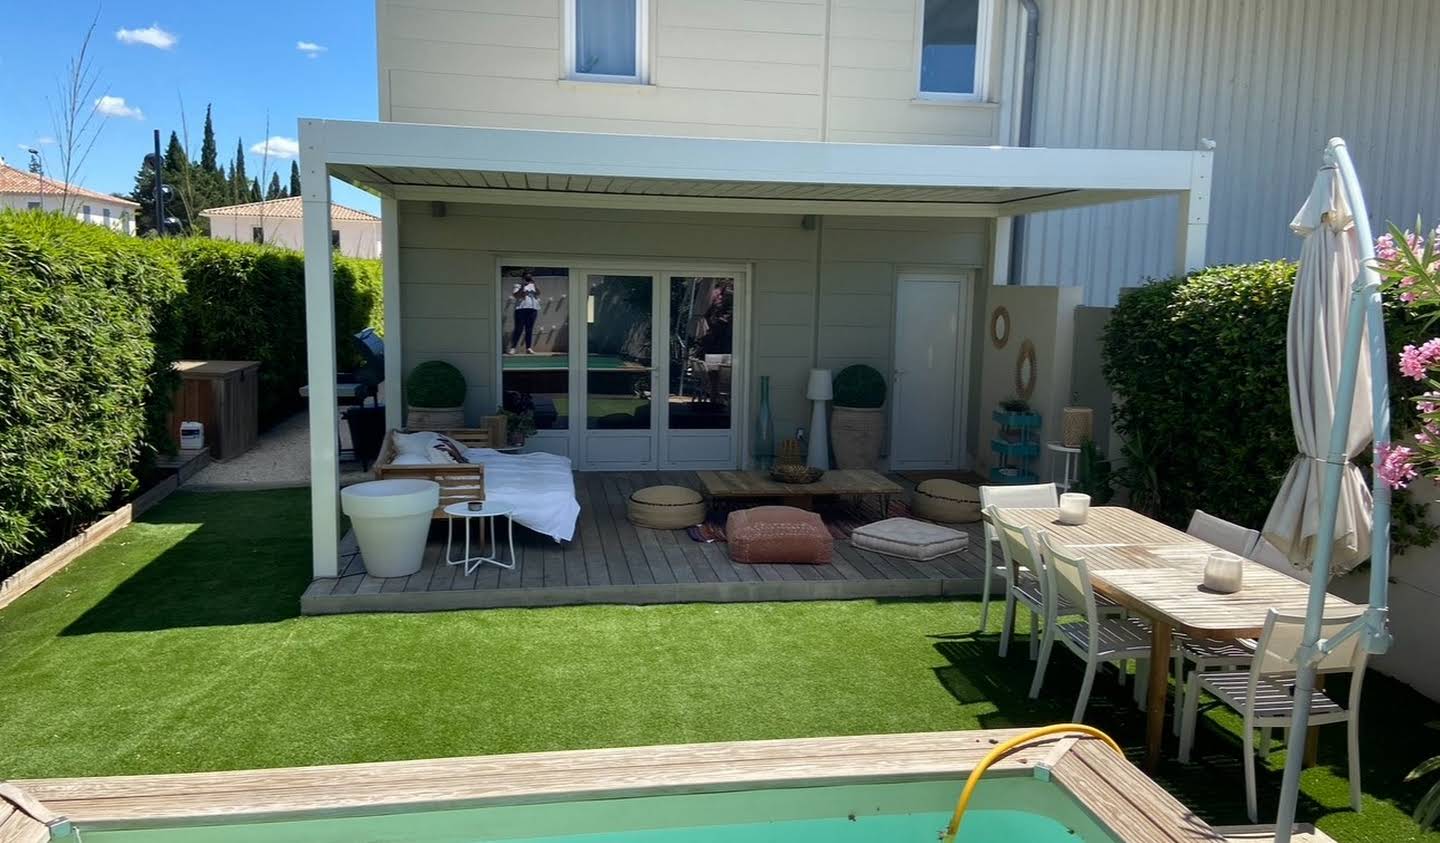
(391, 520)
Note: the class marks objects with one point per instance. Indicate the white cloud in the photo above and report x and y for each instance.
(117, 107)
(277, 147)
(310, 48)
(151, 36)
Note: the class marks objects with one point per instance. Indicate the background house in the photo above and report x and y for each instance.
(26, 191)
(277, 222)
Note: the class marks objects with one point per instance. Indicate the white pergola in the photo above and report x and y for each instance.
(402, 161)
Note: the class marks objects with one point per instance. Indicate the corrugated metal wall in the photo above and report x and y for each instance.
(1270, 81)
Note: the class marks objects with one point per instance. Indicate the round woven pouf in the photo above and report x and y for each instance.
(665, 507)
(947, 501)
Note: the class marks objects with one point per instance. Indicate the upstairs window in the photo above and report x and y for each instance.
(606, 40)
(953, 36)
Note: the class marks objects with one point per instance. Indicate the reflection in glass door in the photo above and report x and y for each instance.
(535, 344)
(619, 370)
(700, 372)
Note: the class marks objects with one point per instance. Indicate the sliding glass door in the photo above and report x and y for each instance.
(624, 368)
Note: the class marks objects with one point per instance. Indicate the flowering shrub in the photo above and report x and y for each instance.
(1408, 263)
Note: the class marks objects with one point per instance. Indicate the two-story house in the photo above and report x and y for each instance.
(624, 214)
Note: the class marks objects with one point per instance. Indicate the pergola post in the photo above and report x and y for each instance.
(390, 266)
(320, 354)
(1194, 217)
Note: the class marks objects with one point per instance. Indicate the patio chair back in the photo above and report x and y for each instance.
(1270, 556)
(1275, 652)
(1034, 496)
(1223, 534)
(1014, 546)
(1068, 579)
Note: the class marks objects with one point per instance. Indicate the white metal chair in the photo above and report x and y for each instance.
(1270, 556)
(1264, 695)
(1036, 496)
(1023, 582)
(1094, 638)
(1206, 655)
(1221, 533)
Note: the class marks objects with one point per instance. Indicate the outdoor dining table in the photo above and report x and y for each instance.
(1156, 572)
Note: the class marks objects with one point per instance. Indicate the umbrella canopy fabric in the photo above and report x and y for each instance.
(1319, 308)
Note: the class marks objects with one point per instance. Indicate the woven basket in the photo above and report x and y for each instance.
(1077, 426)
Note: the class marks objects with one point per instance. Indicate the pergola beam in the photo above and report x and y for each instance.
(320, 353)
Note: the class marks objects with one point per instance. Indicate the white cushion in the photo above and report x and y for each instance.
(908, 539)
(428, 447)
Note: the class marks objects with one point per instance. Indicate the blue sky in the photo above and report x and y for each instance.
(284, 60)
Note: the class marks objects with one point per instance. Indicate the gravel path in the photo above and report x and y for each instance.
(280, 458)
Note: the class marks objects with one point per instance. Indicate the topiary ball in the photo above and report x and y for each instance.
(860, 386)
(435, 384)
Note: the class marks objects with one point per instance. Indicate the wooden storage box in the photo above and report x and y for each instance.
(223, 395)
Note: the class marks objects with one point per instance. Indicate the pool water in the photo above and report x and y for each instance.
(1005, 810)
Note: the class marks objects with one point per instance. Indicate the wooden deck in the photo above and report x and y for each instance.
(611, 560)
(1133, 807)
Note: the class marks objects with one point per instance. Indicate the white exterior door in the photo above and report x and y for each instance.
(928, 383)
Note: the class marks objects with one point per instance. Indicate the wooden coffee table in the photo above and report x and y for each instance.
(757, 484)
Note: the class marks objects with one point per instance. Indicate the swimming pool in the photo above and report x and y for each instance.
(891, 788)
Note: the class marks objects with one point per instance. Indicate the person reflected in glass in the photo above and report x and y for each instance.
(527, 308)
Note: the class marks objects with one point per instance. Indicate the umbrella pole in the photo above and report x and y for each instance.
(1364, 309)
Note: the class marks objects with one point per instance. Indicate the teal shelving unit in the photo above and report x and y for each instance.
(1017, 445)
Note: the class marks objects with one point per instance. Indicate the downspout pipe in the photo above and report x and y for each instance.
(1027, 121)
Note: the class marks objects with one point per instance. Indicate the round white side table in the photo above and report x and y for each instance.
(1069, 465)
(487, 514)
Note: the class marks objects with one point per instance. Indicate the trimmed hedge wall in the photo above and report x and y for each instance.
(247, 302)
(83, 387)
(1199, 373)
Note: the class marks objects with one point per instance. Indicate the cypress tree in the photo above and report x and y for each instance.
(239, 182)
(209, 154)
(273, 191)
(176, 160)
(255, 190)
(294, 178)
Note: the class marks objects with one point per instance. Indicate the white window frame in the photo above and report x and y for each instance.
(984, 37)
(642, 48)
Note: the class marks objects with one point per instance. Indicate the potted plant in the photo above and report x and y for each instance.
(435, 397)
(857, 422)
(519, 424)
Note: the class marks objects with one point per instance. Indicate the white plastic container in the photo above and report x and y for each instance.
(391, 520)
(192, 435)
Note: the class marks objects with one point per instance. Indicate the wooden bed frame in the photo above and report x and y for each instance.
(458, 481)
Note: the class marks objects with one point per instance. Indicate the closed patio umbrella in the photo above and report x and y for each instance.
(1319, 307)
(1339, 396)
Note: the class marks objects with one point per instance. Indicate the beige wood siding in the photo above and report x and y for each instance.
(447, 280)
(782, 69)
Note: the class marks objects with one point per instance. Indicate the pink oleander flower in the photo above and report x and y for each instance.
(1415, 362)
(1396, 466)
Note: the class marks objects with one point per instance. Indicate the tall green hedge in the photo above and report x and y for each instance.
(1199, 373)
(247, 302)
(83, 389)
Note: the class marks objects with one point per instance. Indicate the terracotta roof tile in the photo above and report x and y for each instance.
(20, 181)
(287, 208)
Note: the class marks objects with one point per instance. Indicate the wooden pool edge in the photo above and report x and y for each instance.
(1116, 793)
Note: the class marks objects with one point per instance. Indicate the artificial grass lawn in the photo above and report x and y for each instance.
(176, 646)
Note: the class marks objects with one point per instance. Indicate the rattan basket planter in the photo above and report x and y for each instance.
(857, 435)
(434, 418)
(1077, 426)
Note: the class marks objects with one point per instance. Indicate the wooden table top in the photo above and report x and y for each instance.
(1175, 595)
(1157, 571)
(757, 484)
(1105, 525)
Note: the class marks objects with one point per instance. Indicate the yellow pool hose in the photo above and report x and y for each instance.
(1005, 749)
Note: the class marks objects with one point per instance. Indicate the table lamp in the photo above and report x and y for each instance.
(819, 390)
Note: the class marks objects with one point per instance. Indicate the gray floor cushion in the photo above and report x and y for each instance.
(908, 539)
